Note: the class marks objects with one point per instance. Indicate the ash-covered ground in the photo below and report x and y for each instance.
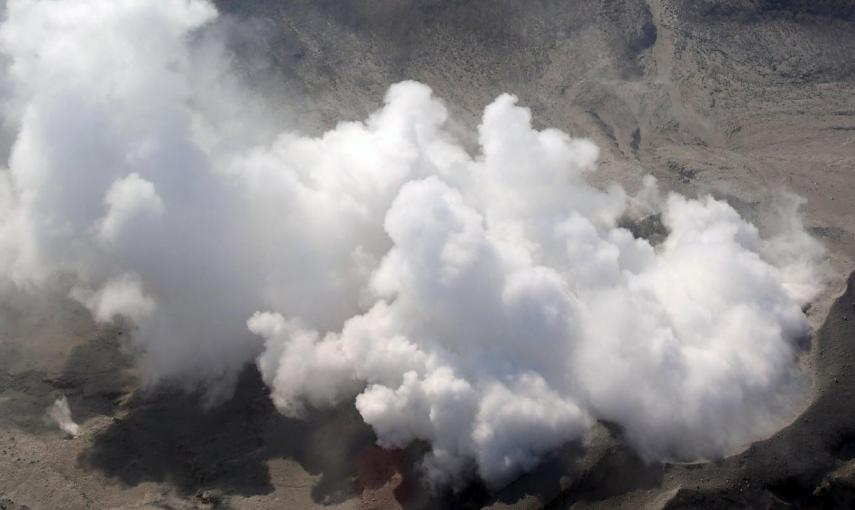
(737, 98)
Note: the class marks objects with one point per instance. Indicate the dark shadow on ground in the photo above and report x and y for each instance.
(618, 472)
(167, 436)
(49, 347)
(97, 374)
(596, 472)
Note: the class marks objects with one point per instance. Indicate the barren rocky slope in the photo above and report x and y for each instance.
(740, 98)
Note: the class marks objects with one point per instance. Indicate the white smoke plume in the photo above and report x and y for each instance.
(489, 304)
(60, 414)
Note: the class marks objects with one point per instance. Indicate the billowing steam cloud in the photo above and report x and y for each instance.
(489, 304)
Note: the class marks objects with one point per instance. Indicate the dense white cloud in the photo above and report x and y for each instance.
(489, 304)
(128, 198)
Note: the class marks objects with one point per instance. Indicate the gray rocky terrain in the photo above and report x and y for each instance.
(738, 98)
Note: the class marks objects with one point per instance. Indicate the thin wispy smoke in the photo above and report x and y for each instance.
(489, 304)
(59, 413)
